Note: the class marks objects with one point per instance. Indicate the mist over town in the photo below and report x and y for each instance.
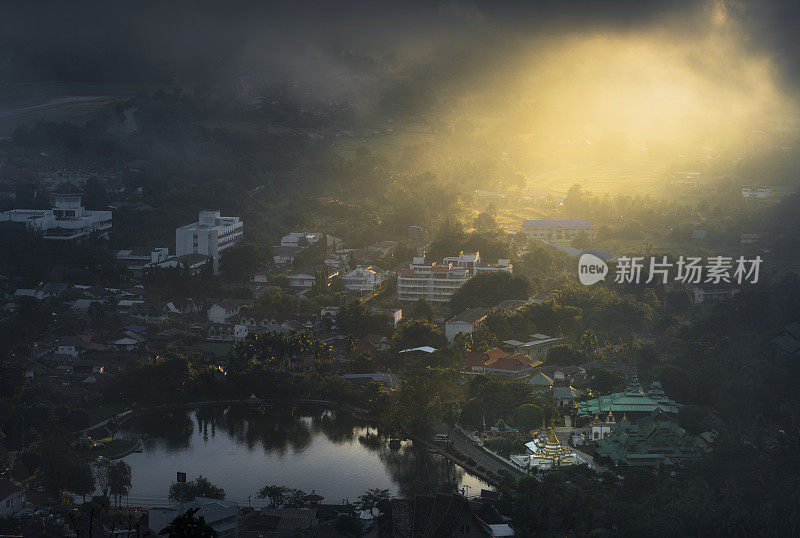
(413, 269)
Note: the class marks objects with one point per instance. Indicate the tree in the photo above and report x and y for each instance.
(604, 381)
(184, 492)
(581, 241)
(81, 480)
(275, 494)
(528, 416)
(486, 222)
(119, 479)
(337, 284)
(94, 194)
(208, 490)
(354, 319)
(565, 355)
(422, 309)
(370, 499)
(181, 492)
(417, 333)
(12, 380)
(241, 261)
(488, 289)
(188, 526)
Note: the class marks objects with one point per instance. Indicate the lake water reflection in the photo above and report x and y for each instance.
(299, 446)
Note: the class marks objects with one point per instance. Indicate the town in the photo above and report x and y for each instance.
(374, 291)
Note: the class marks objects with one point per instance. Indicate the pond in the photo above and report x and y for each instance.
(299, 446)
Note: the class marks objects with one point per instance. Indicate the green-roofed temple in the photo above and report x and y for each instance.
(648, 441)
(634, 402)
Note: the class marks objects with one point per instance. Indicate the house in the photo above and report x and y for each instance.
(68, 345)
(557, 230)
(564, 374)
(307, 276)
(220, 514)
(465, 322)
(787, 344)
(11, 498)
(285, 255)
(512, 305)
(149, 311)
(300, 239)
(541, 383)
(115, 187)
(211, 235)
(81, 306)
(223, 332)
(385, 248)
(88, 368)
(476, 362)
(390, 380)
(705, 294)
(191, 264)
(512, 366)
(225, 310)
(125, 343)
(136, 259)
(535, 348)
(51, 290)
(756, 191)
(564, 396)
(395, 317)
(364, 279)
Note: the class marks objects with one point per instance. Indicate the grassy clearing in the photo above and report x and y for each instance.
(112, 448)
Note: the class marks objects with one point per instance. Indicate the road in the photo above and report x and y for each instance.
(460, 442)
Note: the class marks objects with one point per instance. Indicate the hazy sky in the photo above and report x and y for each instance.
(102, 40)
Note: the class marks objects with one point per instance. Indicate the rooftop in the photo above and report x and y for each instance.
(548, 224)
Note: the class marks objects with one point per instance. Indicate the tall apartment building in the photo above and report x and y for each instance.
(210, 236)
(437, 283)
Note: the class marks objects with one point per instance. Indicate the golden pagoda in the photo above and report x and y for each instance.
(550, 454)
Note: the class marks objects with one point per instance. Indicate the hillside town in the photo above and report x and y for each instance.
(433, 270)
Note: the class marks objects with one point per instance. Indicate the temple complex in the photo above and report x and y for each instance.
(634, 401)
(649, 441)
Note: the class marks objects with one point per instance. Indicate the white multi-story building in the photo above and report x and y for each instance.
(557, 230)
(364, 278)
(210, 236)
(432, 282)
(437, 283)
(300, 239)
(68, 220)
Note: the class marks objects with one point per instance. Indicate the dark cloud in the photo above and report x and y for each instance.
(329, 41)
